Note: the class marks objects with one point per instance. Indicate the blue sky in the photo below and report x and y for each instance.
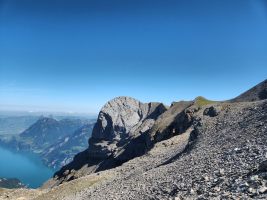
(74, 55)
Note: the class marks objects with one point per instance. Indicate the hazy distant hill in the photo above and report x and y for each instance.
(15, 124)
(47, 131)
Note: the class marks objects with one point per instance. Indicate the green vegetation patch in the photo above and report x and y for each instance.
(201, 101)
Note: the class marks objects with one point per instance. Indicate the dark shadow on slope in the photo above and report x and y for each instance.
(134, 148)
(80, 160)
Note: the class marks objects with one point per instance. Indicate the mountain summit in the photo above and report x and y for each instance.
(117, 136)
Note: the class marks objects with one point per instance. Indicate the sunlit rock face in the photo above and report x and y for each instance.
(118, 121)
(118, 136)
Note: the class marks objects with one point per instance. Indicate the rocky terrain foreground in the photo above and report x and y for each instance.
(197, 149)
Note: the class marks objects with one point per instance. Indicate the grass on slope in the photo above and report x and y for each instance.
(201, 101)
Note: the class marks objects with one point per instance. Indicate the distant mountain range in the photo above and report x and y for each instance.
(56, 141)
(15, 124)
(63, 151)
(47, 131)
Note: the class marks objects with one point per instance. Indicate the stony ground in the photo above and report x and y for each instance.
(221, 163)
(221, 156)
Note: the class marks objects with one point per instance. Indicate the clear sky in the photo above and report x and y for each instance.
(74, 55)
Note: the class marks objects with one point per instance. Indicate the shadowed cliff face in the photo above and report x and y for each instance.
(121, 126)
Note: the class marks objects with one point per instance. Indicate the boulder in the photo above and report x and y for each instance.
(211, 111)
(263, 166)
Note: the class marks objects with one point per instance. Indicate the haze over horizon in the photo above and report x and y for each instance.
(74, 56)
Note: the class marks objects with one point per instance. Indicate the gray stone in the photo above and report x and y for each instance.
(212, 111)
(119, 135)
(119, 121)
(263, 166)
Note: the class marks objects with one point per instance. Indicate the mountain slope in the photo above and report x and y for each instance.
(12, 125)
(47, 130)
(258, 92)
(222, 161)
(219, 157)
(62, 152)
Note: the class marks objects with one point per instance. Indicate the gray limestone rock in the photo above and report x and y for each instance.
(120, 120)
(117, 136)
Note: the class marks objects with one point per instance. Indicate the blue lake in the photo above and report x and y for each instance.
(28, 168)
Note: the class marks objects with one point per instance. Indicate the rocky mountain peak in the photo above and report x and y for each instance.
(120, 117)
(119, 120)
(117, 135)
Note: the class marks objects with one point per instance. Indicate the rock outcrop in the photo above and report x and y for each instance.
(172, 122)
(120, 120)
(118, 136)
(212, 111)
